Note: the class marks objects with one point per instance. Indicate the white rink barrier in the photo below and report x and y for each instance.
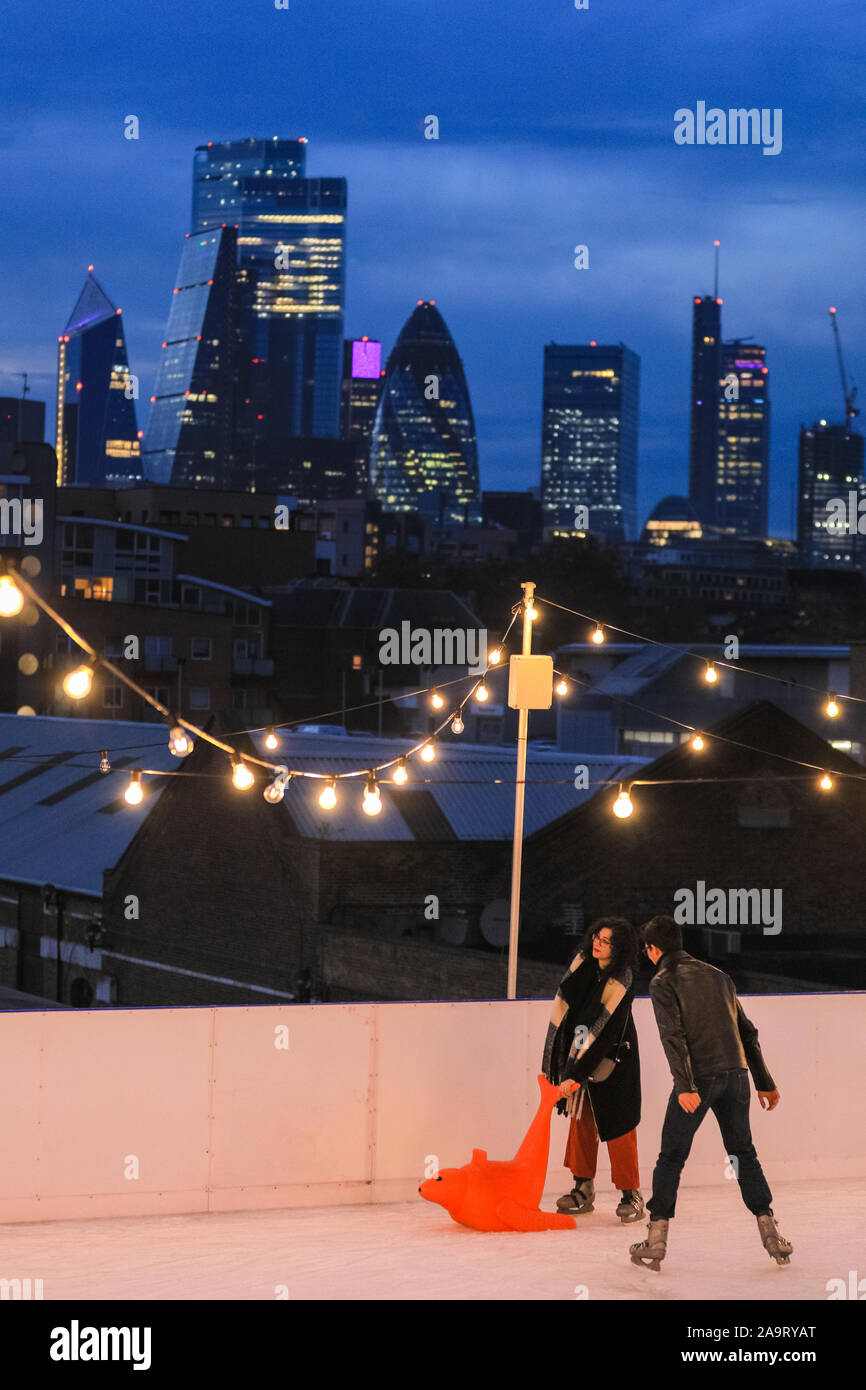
(142, 1111)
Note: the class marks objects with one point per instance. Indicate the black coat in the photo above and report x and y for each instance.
(616, 1103)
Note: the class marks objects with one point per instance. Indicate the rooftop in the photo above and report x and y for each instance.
(63, 821)
(466, 794)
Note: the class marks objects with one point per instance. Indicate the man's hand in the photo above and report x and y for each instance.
(769, 1099)
(567, 1087)
(689, 1100)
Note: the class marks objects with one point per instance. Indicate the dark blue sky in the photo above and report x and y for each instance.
(556, 128)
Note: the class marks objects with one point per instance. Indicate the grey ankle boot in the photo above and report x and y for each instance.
(631, 1207)
(775, 1244)
(581, 1200)
(651, 1252)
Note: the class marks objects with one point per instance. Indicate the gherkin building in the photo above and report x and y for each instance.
(423, 454)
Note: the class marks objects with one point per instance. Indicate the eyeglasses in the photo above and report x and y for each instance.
(602, 941)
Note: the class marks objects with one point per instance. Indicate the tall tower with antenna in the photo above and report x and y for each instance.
(704, 405)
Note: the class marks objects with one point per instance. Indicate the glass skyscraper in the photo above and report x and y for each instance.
(188, 441)
(359, 399)
(743, 440)
(830, 469)
(423, 454)
(291, 290)
(589, 432)
(97, 438)
(704, 420)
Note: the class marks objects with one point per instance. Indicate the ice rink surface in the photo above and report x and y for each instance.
(413, 1250)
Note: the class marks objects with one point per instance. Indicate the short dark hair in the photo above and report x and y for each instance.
(662, 932)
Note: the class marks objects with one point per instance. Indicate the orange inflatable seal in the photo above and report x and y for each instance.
(490, 1196)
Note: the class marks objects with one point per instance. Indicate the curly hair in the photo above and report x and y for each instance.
(624, 947)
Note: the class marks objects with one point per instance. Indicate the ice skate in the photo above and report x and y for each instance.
(580, 1201)
(631, 1207)
(775, 1244)
(651, 1252)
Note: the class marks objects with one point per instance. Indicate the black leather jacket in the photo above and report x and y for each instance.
(701, 1022)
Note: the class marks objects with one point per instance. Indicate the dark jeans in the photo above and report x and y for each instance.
(727, 1095)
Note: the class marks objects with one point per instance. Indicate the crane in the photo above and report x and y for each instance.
(849, 396)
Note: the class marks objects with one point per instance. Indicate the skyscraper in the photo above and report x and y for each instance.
(359, 399)
(704, 426)
(188, 440)
(830, 468)
(589, 439)
(291, 289)
(21, 419)
(361, 388)
(97, 431)
(743, 440)
(423, 455)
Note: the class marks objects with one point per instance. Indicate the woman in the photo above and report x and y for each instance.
(591, 1021)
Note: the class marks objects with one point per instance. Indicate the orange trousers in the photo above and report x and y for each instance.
(581, 1151)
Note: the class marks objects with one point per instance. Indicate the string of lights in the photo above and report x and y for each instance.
(182, 733)
(711, 675)
(78, 683)
(700, 739)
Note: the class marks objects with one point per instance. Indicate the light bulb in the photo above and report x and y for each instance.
(562, 687)
(623, 807)
(372, 803)
(436, 700)
(826, 783)
(78, 682)
(328, 798)
(241, 776)
(179, 742)
(831, 709)
(532, 613)
(11, 598)
(495, 656)
(482, 693)
(457, 725)
(134, 793)
(271, 740)
(104, 764)
(401, 774)
(428, 753)
(276, 790)
(697, 743)
(711, 675)
(598, 635)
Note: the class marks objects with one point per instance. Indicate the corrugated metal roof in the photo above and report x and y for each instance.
(637, 671)
(52, 793)
(472, 784)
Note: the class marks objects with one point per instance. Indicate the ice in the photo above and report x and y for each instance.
(413, 1250)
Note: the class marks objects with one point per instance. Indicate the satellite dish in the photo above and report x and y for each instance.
(495, 924)
(453, 930)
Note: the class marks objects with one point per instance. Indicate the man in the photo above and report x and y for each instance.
(708, 1042)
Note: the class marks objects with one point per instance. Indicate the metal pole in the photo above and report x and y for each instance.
(519, 792)
(381, 674)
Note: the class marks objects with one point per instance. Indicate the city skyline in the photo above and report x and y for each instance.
(484, 220)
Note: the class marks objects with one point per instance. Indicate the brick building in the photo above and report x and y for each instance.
(781, 832)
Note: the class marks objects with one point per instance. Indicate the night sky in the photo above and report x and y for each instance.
(556, 128)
